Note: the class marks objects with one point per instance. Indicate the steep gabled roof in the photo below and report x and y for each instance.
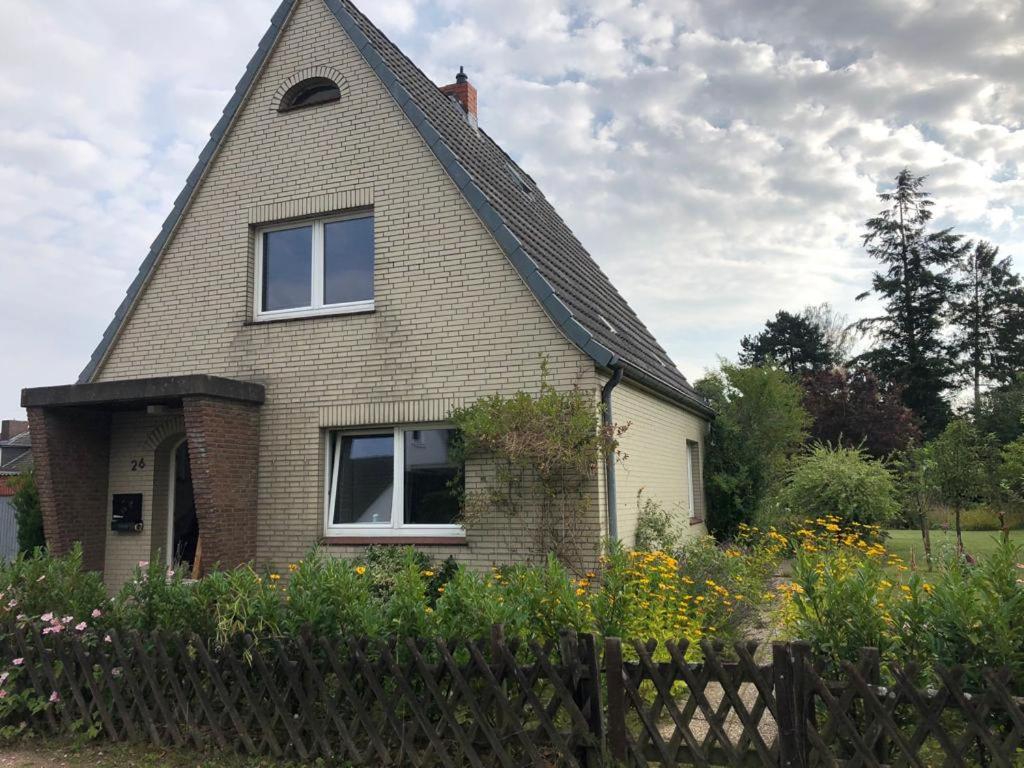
(570, 286)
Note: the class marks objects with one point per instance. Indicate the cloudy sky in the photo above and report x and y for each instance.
(718, 157)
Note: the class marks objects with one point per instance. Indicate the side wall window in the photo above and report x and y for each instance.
(695, 481)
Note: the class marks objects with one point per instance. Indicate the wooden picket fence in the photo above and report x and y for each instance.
(505, 703)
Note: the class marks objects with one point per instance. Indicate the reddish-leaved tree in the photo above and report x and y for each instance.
(853, 408)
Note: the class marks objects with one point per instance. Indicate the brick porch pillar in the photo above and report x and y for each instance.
(223, 449)
(71, 454)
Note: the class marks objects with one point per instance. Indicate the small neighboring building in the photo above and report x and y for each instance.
(15, 446)
(15, 457)
(352, 257)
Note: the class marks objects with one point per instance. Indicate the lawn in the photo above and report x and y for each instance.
(59, 754)
(907, 544)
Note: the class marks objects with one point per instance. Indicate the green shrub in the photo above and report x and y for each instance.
(981, 517)
(407, 612)
(331, 596)
(240, 601)
(27, 513)
(840, 604)
(848, 594)
(843, 482)
(1012, 471)
(383, 564)
(543, 600)
(469, 606)
(159, 599)
(34, 585)
(656, 528)
(976, 614)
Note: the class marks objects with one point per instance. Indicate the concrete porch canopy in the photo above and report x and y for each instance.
(71, 429)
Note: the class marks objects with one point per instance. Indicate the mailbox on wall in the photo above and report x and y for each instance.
(127, 513)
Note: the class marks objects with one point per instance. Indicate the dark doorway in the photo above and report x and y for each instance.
(184, 527)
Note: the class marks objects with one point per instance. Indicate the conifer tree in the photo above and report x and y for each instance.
(913, 285)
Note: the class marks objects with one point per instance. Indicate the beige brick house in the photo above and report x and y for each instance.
(351, 257)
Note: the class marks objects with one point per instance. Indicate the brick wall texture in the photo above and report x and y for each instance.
(656, 463)
(223, 449)
(71, 450)
(452, 322)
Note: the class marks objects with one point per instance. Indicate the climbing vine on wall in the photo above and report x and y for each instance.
(537, 458)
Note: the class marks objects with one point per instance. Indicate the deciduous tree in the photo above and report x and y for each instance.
(966, 465)
(853, 408)
(760, 424)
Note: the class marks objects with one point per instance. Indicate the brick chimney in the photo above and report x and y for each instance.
(464, 92)
(9, 428)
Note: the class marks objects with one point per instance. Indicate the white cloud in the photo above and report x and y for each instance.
(718, 157)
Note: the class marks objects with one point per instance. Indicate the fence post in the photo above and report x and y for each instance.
(615, 689)
(802, 693)
(871, 668)
(592, 697)
(790, 701)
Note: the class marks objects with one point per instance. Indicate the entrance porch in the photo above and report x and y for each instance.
(160, 468)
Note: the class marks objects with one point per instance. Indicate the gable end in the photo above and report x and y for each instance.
(181, 202)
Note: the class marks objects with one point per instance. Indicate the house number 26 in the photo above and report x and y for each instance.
(138, 464)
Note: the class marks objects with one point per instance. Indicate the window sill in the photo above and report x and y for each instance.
(355, 308)
(399, 540)
(696, 521)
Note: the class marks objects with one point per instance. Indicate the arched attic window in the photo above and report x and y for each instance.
(309, 93)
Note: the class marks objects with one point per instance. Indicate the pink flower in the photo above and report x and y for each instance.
(106, 639)
(53, 628)
(67, 619)
(12, 604)
(80, 626)
(54, 697)
(3, 694)
(46, 617)
(3, 677)
(143, 563)
(18, 661)
(96, 613)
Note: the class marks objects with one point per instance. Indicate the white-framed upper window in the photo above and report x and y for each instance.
(319, 267)
(392, 481)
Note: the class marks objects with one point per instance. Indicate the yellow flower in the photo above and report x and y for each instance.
(581, 591)
(440, 590)
(428, 574)
(275, 577)
(360, 569)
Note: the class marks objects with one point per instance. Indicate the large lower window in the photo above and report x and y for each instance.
(319, 267)
(392, 482)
